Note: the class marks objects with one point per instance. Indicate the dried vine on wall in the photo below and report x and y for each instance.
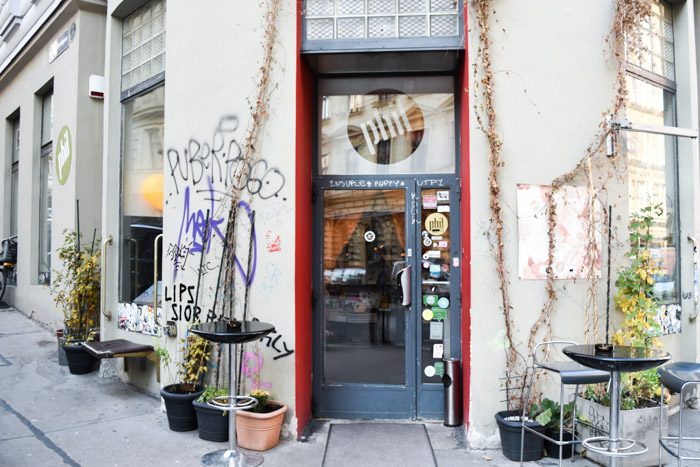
(624, 38)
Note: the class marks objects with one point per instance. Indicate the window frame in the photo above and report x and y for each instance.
(45, 154)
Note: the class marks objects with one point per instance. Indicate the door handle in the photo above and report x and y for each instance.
(156, 266)
(404, 278)
(103, 278)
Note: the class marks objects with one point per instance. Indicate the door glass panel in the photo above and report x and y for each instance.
(376, 126)
(364, 241)
(435, 282)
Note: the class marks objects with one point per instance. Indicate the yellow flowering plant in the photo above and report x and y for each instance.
(635, 297)
(75, 287)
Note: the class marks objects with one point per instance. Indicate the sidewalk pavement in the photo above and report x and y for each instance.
(49, 417)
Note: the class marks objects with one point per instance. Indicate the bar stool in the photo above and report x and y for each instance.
(570, 374)
(678, 377)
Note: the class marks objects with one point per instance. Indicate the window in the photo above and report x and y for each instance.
(143, 57)
(14, 176)
(45, 182)
(143, 44)
(652, 157)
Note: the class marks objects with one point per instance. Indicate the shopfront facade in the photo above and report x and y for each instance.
(364, 225)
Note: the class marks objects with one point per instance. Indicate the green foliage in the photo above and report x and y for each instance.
(639, 390)
(191, 369)
(211, 392)
(75, 288)
(635, 286)
(548, 412)
(262, 397)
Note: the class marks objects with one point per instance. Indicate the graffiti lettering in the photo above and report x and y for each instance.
(366, 183)
(178, 255)
(275, 340)
(222, 163)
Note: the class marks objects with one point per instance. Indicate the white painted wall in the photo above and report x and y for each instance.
(553, 81)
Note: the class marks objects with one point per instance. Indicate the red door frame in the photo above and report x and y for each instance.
(303, 231)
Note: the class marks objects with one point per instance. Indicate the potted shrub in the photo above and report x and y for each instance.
(509, 422)
(548, 414)
(259, 428)
(212, 421)
(75, 289)
(636, 300)
(178, 397)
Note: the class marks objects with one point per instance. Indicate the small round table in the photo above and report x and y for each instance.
(616, 360)
(220, 331)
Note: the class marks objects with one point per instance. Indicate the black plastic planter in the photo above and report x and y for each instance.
(79, 361)
(178, 406)
(510, 437)
(213, 422)
(552, 450)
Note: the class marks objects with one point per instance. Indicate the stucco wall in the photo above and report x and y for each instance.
(553, 81)
(72, 108)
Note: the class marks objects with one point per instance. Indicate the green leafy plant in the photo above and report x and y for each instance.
(193, 366)
(635, 297)
(636, 300)
(264, 403)
(75, 287)
(548, 412)
(210, 392)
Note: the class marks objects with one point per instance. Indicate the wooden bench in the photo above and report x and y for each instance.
(122, 348)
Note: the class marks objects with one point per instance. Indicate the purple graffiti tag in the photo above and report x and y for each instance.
(195, 223)
(249, 280)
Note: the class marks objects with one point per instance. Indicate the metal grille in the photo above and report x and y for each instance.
(413, 26)
(370, 19)
(443, 25)
(143, 44)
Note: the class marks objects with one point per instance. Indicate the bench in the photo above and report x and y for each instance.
(122, 348)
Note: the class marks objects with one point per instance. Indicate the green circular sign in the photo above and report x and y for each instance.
(64, 155)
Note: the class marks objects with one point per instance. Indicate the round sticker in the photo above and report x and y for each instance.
(427, 315)
(436, 223)
(369, 236)
(429, 371)
(444, 302)
(430, 299)
(427, 241)
(424, 233)
(426, 264)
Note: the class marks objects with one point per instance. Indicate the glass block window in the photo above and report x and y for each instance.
(656, 53)
(374, 19)
(143, 44)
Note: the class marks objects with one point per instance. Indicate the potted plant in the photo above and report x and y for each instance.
(259, 428)
(509, 426)
(212, 421)
(75, 289)
(640, 393)
(178, 397)
(548, 414)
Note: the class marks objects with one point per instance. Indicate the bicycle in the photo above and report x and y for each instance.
(8, 261)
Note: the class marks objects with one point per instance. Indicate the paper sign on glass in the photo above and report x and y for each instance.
(435, 331)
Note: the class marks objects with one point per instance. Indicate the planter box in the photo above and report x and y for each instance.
(641, 425)
(259, 431)
(509, 431)
(179, 408)
(212, 422)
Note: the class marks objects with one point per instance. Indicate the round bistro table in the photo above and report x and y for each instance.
(619, 359)
(219, 331)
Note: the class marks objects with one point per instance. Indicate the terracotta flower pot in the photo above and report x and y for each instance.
(259, 431)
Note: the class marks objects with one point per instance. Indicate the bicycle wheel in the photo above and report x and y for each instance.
(3, 283)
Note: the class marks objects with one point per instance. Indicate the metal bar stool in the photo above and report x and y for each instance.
(678, 377)
(570, 374)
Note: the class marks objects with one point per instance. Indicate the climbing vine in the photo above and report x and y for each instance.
(623, 40)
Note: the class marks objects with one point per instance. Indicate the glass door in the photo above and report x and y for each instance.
(386, 252)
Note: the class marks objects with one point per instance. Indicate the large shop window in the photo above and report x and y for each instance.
(652, 157)
(142, 193)
(143, 63)
(45, 184)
